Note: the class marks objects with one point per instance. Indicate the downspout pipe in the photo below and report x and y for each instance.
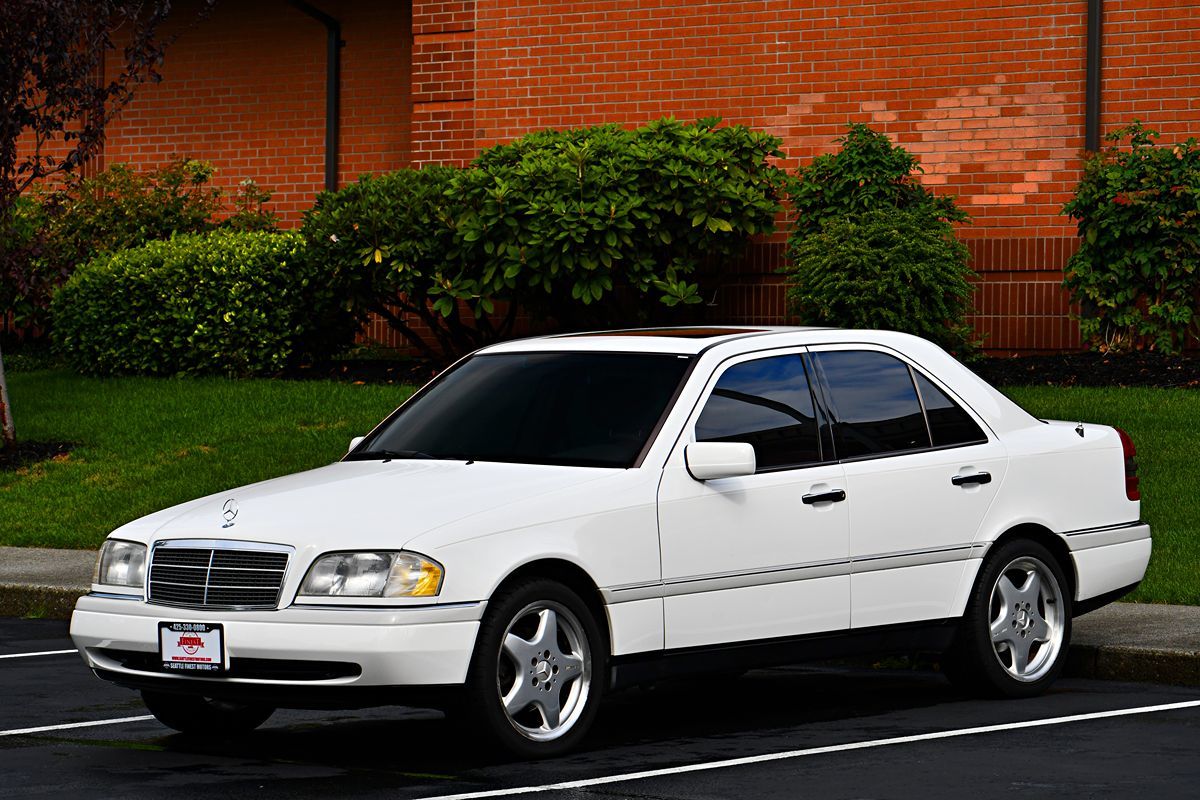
(1091, 91)
(333, 86)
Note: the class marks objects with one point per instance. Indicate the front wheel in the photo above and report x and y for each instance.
(205, 716)
(537, 675)
(1017, 626)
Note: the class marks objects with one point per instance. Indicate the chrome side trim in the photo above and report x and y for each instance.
(1102, 537)
(794, 572)
(919, 558)
(113, 596)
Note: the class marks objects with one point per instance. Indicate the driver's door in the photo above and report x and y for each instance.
(765, 555)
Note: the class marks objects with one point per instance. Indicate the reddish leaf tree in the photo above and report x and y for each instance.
(56, 99)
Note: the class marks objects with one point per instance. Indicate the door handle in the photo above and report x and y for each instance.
(835, 495)
(965, 480)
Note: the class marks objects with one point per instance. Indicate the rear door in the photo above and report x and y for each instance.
(921, 472)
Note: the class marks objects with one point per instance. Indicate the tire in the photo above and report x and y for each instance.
(1014, 635)
(195, 715)
(538, 672)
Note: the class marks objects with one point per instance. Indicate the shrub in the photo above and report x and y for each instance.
(224, 302)
(886, 268)
(870, 247)
(867, 173)
(568, 224)
(385, 241)
(1136, 275)
(116, 209)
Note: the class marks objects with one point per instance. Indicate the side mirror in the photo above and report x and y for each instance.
(355, 442)
(709, 461)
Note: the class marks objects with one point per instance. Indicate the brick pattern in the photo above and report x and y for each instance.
(444, 82)
(1152, 65)
(245, 89)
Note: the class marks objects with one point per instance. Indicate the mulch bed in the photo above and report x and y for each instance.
(26, 453)
(1093, 369)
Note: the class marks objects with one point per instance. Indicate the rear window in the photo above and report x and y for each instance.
(949, 424)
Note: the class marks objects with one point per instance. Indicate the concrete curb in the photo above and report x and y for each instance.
(1133, 664)
(42, 602)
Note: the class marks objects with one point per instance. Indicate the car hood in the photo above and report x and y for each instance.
(361, 504)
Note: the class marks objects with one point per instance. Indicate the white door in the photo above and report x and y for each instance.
(921, 473)
(765, 555)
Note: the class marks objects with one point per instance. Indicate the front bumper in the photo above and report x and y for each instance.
(290, 652)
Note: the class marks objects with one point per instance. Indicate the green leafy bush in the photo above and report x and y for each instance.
(386, 241)
(887, 268)
(223, 302)
(867, 173)
(870, 247)
(1136, 275)
(116, 209)
(578, 225)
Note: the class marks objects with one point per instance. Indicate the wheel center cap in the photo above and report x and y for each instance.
(542, 670)
(1024, 620)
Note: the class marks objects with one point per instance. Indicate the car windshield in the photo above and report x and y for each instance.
(569, 409)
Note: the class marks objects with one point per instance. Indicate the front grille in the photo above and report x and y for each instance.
(216, 577)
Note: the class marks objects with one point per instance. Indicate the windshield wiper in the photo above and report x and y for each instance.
(386, 455)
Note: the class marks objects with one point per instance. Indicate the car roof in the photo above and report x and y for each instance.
(689, 340)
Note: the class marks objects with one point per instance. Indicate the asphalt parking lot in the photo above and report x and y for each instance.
(797, 732)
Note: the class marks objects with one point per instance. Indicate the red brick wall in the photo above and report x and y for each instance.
(245, 89)
(988, 93)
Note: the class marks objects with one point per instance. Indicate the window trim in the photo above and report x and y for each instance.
(819, 412)
(913, 373)
(913, 370)
(651, 438)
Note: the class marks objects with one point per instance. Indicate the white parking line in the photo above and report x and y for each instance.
(92, 724)
(813, 751)
(43, 653)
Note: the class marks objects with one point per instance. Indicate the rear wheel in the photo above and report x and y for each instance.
(203, 715)
(536, 678)
(1017, 627)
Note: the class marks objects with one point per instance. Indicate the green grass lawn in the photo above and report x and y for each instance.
(146, 443)
(1164, 426)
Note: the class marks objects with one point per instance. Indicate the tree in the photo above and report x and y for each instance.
(56, 99)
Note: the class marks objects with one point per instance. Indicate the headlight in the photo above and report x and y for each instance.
(373, 575)
(121, 564)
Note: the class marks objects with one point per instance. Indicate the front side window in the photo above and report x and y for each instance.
(874, 403)
(568, 409)
(766, 403)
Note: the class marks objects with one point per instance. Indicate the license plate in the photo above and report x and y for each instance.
(192, 646)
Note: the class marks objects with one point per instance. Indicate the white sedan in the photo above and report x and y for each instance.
(554, 518)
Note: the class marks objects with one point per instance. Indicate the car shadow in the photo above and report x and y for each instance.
(672, 721)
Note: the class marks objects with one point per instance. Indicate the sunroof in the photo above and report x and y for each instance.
(675, 333)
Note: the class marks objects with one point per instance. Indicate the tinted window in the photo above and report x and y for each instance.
(948, 423)
(875, 405)
(575, 409)
(767, 404)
